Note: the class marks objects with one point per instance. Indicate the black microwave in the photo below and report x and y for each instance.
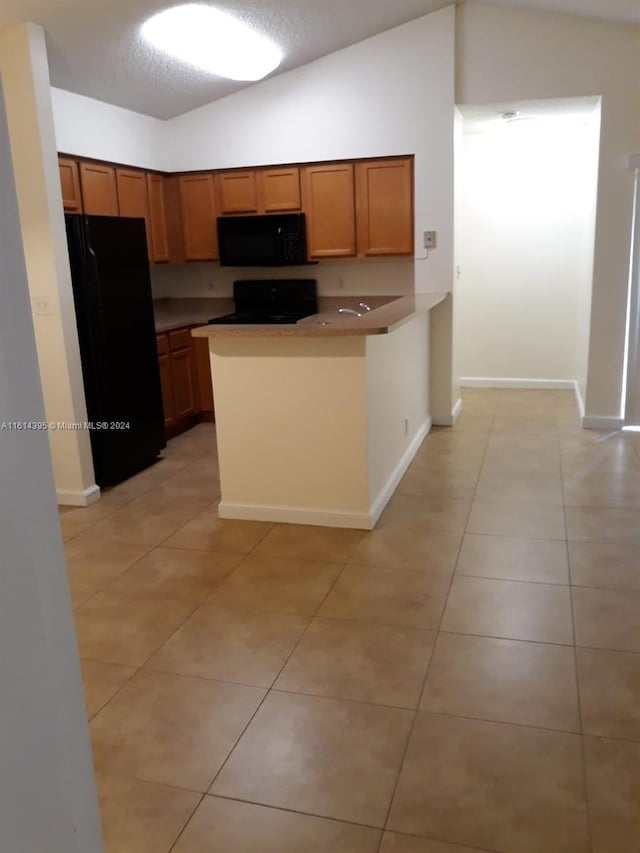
(279, 240)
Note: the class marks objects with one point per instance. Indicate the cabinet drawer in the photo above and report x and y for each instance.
(162, 344)
(179, 340)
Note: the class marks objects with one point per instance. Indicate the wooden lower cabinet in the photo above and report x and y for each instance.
(184, 392)
(203, 374)
(166, 383)
(187, 394)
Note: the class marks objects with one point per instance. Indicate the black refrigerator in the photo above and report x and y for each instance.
(116, 332)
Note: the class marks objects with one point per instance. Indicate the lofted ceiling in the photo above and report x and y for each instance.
(95, 50)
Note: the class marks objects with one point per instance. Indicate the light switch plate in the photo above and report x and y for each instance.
(42, 307)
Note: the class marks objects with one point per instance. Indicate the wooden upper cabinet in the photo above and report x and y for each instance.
(384, 206)
(278, 189)
(70, 185)
(133, 199)
(99, 190)
(157, 219)
(328, 202)
(238, 193)
(199, 217)
(173, 214)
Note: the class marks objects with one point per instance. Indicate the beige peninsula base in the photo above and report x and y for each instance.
(317, 428)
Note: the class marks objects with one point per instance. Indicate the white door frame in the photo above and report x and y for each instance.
(631, 380)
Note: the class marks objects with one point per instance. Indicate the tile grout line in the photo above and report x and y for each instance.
(267, 693)
(428, 669)
(577, 670)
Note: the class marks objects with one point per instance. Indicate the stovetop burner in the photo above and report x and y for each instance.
(269, 302)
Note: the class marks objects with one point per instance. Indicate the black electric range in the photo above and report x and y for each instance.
(270, 301)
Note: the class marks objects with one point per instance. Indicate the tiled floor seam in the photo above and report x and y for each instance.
(269, 689)
(579, 697)
(433, 648)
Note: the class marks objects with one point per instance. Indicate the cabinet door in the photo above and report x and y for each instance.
(173, 214)
(203, 373)
(157, 219)
(99, 190)
(328, 201)
(278, 189)
(164, 363)
(237, 192)
(133, 199)
(384, 195)
(70, 185)
(199, 217)
(182, 372)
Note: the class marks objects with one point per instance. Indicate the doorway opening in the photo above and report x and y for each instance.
(630, 403)
(526, 193)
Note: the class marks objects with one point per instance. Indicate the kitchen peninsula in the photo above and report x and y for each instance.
(318, 420)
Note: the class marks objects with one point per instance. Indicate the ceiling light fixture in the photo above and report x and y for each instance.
(212, 41)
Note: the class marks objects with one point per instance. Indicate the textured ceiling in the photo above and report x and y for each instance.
(94, 48)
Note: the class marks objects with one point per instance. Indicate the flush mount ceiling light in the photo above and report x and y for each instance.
(212, 41)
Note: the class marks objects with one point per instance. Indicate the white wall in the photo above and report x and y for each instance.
(390, 94)
(525, 248)
(23, 64)
(47, 792)
(506, 54)
(89, 128)
(368, 276)
(397, 391)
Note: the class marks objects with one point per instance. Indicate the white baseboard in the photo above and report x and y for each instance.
(294, 515)
(85, 498)
(398, 472)
(504, 382)
(449, 418)
(579, 400)
(602, 422)
(329, 518)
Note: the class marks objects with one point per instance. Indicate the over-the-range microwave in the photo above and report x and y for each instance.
(276, 240)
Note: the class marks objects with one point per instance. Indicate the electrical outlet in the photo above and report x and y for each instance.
(406, 426)
(429, 239)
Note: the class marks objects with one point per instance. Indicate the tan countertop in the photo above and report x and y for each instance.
(172, 313)
(387, 313)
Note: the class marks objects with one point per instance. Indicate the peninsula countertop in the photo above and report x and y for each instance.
(387, 314)
(171, 313)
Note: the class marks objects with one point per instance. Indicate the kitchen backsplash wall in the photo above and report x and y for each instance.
(371, 277)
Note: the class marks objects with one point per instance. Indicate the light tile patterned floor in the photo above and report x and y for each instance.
(464, 678)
